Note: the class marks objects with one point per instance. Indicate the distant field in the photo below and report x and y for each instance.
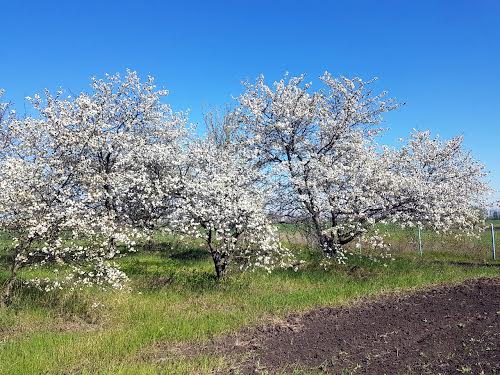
(175, 300)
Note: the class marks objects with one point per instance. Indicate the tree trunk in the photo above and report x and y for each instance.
(111, 247)
(220, 260)
(7, 292)
(328, 245)
(220, 263)
(9, 286)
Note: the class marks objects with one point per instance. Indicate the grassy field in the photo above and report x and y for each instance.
(174, 300)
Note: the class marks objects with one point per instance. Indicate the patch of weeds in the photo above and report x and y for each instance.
(7, 320)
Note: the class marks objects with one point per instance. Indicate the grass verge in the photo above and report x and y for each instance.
(174, 299)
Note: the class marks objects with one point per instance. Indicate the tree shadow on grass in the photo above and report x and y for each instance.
(184, 268)
(181, 279)
(176, 251)
(191, 254)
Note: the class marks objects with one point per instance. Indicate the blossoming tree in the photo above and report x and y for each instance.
(66, 183)
(223, 202)
(321, 147)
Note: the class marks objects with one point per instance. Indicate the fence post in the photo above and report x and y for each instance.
(493, 249)
(420, 242)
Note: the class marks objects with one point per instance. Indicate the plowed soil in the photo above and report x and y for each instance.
(445, 330)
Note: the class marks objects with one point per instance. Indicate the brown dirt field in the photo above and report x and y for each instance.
(445, 330)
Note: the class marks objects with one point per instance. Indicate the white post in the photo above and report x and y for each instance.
(493, 249)
(420, 242)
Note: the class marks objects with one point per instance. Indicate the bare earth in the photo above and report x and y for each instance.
(445, 330)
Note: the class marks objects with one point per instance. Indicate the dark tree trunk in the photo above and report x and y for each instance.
(220, 263)
(220, 259)
(7, 291)
(9, 286)
(328, 245)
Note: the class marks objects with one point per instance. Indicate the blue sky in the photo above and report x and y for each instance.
(442, 58)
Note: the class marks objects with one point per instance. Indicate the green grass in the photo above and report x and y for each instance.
(495, 222)
(174, 299)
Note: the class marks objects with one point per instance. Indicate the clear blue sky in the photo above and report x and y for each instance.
(440, 57)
